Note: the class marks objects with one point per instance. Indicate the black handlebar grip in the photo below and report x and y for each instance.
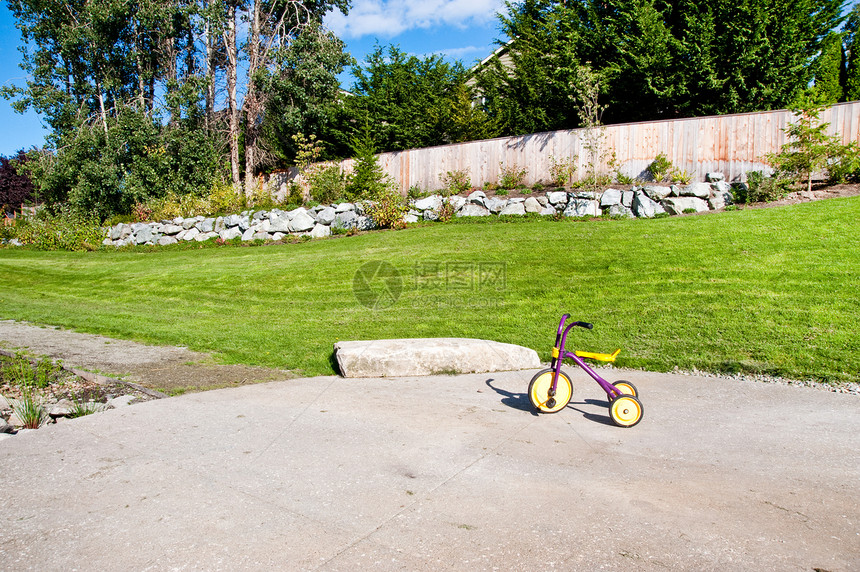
(585, 325)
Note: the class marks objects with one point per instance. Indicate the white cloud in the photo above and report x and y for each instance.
(390, 18)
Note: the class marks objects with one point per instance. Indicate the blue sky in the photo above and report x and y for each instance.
(459, 29)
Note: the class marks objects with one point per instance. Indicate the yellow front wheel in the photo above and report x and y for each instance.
(626, 388)
(539, 391)
(625, 411)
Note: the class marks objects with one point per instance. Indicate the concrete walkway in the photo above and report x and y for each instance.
(442, 473)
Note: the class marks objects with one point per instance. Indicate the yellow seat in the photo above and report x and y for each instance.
(599, 357)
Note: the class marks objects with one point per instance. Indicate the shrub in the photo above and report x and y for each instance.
(327, 183)
(387, 210)
(661, 168)
(65, 230)
(16, 188)
(446, 211)
(681, 176)
(561, 171)
(457, 181)
(761, 188)
(512, 177)
(29, 410)
(844, 163)
(367, 180)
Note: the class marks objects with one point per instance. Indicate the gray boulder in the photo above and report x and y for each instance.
(279, 222)
(143, 235)
(610, 197)
(232, 220)
(532, 205)
(171, 229)
(230, 233)
(656, 192)
(473, 210)
(514, 209)
(206, 225)
(627, 199)
(187, 223)
(430, 356)
(677, 205)
(581, 207)
(190, 234)
(478, 198)
(345, 219)
(433, 202)
(700, 190)
(557, 197)
(326, 216)
(620, 210)
(248, 234)
(431, 215)
(320, 231)
(344, 207)
(410, 218)
(365, 223)
(495, 204)
(644, 207)
(548, 211)
(714, 177)
(167, 240)
(302, 222)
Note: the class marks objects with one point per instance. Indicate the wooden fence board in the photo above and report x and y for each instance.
(731, 144)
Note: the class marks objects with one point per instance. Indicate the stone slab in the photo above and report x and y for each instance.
(430, 356)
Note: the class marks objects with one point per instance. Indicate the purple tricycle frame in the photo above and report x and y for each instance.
(611, 391)
(550, 389)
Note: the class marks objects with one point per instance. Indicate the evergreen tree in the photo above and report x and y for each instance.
(852, 47)
(828, 69)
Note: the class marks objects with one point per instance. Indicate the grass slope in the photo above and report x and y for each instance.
(766, 290)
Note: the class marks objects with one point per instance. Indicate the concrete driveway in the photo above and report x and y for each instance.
(438, 473)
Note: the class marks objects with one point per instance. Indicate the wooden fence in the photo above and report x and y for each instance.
(731, 144)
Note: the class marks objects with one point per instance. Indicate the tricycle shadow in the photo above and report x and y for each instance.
(520, 401)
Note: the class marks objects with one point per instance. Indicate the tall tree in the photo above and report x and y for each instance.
(659, 58)
(405, 98)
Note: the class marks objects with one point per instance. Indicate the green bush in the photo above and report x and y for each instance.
(327, 183)
(761, 188)
(457, 181)
(387, 210)
(561, 171)
(512, 177)
(661, 168)
(67, 229)
(844, 163)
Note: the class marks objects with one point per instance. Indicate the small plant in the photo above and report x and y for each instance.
(141, 212)
(415, 193)
(80, 408)
(810, 148)
(762, 189)
(29, 410)
(327, 183)
(689, 211)
(681, 176)
(388, 210)
(561, 171)
(844, 163)
(660, 169)
(537, 187)
(512, 177)
(457, 181)
(502, 191)
(623, 179)
(490, 186)
(446, 211)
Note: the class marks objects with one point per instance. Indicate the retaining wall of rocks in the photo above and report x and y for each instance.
(318, 222)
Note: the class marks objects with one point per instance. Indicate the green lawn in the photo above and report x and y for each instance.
(770, 290)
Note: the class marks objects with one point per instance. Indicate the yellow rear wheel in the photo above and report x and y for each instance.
(539, 389)
(626, 388)
(625, 411)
